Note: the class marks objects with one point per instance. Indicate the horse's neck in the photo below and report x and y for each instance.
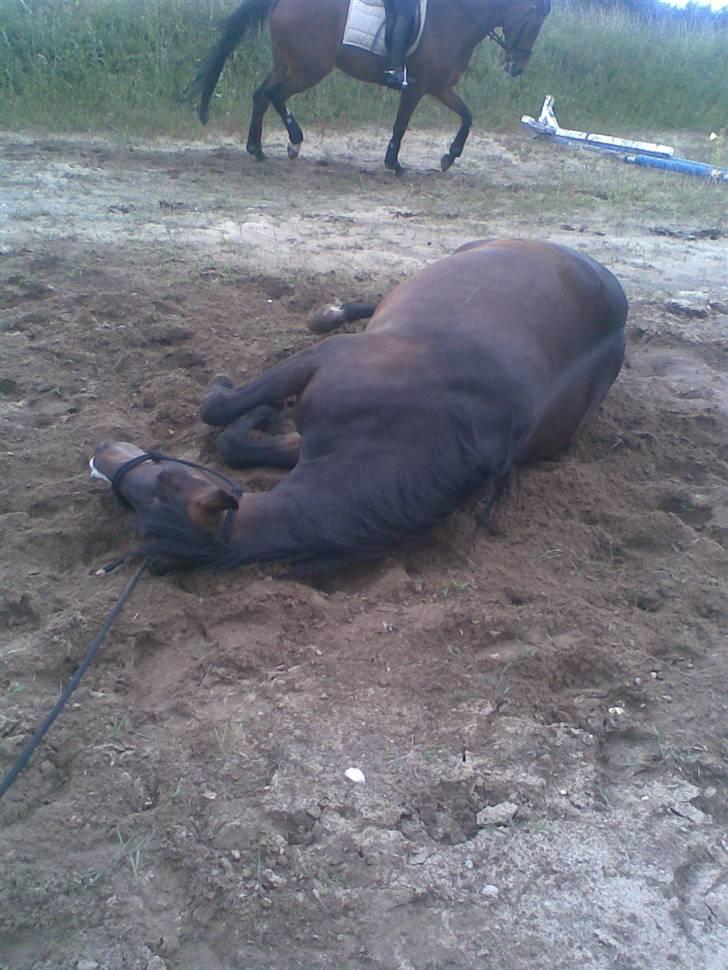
(479, 16)
(262, 527)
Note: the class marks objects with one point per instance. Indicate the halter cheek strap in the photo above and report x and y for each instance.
(156, 457)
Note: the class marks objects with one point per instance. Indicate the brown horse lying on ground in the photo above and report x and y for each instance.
(489, 357)
(306, 39)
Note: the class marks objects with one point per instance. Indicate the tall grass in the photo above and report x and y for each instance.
(122, 64)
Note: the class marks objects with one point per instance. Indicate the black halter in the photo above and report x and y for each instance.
(156, 457)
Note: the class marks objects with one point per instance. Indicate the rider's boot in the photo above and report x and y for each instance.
(396, 76)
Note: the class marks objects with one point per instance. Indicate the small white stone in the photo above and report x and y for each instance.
(209, 795)
(355, 775)
(489, 890)
(616, 710)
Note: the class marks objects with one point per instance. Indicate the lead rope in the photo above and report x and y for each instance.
(73, 683)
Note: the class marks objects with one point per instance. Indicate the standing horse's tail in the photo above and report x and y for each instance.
(250, 14)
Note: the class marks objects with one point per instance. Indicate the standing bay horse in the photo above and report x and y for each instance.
(487, 358)
(306, 38)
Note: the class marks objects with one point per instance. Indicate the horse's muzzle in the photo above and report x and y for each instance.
(96, 474)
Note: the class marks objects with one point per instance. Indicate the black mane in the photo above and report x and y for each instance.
(363, 521)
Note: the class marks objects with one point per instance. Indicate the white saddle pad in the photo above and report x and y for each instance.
(365, 26)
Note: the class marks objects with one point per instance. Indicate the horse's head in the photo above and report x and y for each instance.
(522, 23)
(163, 488)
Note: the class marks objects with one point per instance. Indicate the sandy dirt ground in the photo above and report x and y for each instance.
(540, 713)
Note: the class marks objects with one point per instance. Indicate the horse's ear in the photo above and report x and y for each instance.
(217, 500)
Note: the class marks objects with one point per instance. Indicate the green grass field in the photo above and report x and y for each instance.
(120, 65)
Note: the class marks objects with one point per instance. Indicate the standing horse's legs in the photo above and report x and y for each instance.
(287, 78)
(261, 100)
(277, 99)
(408, 101)
(263, 96)
(451, 100)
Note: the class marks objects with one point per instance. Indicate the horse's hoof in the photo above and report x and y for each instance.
(391, 161)
(326, 319)
(445, 162)
(257, 152)
(293, 151)
(212, 410)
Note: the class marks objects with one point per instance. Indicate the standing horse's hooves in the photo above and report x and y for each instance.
(257, 153)
(445, 162)
(293, 151)
(394, 167)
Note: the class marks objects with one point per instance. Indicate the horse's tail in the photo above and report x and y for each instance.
(249, 15)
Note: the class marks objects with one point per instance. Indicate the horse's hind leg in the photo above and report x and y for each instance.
(294, 70)
(451, 100)
(300, 76)
(295, 135)
(261, 101)
(329, 318)
(275, 93)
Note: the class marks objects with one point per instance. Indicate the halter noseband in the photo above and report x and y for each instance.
(156, 457)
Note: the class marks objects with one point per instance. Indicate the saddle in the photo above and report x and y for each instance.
(366, 26)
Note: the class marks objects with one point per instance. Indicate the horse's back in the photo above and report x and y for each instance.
(511, 289)
(536, 323)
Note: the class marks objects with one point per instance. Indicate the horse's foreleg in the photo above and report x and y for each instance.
(238, 451)
(451, 100)
(408, 101)
(224, 403)
(279, 452)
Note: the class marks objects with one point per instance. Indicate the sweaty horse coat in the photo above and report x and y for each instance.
(489, 357)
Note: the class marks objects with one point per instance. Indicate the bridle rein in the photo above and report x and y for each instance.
(27, 753)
